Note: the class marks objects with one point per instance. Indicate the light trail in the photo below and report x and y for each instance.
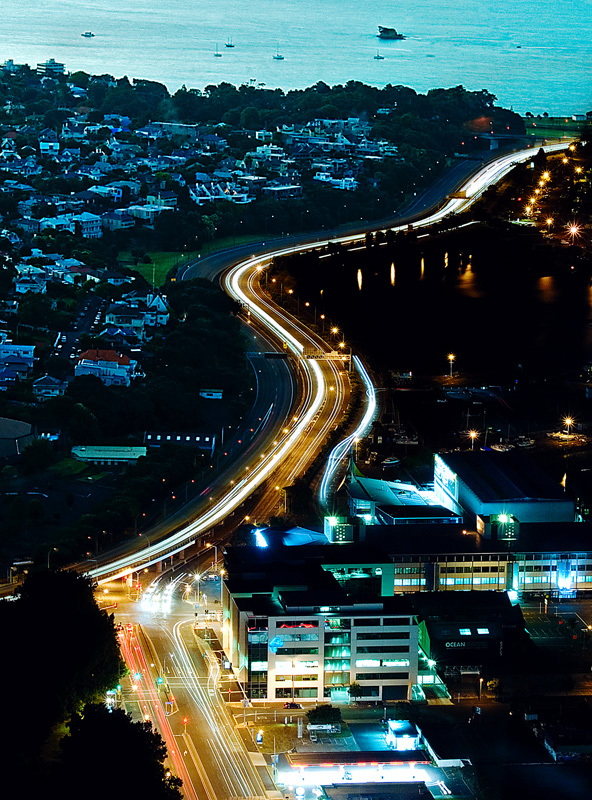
(345, 445)
(296, 338)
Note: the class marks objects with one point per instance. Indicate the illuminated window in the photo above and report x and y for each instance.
(367, 662)
(484, 631)
(465, 631)
(259, 666)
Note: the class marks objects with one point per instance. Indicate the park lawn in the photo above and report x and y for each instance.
(286, 736)
(68, 467)
(162, 261)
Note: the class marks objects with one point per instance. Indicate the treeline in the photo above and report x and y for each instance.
(62, 740)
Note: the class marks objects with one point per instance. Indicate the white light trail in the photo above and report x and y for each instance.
(473, 188)
(340, 450)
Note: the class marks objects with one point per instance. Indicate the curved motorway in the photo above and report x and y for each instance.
(285, 447)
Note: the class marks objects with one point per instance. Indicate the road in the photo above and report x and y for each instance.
(324, 385)
(207, 751)
(173, 684)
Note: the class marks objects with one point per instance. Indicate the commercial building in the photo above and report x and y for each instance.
(499, 491)
(291, 631)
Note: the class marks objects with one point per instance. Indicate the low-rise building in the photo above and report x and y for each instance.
(108, 455)
(112, 368)
(15, 435)
(46, 387)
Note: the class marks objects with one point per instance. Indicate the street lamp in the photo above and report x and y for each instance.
(473, 435)
(568, 422)
(53, 550)
(209, 544)
(451, 358)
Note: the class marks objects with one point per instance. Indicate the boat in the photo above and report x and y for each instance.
(378, 57)
(229, 42)
(278, 56)
(217, 54)
(389, 33)
(87, 34)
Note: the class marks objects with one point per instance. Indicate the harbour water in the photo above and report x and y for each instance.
(533, 56)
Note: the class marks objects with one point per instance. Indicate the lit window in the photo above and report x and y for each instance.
(465, 631)
(483, 631)
(367, 662)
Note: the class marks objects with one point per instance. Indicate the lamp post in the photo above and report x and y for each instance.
(568, 422)
(473, 435)
(451, 358)
(209, 544)
(52, 550)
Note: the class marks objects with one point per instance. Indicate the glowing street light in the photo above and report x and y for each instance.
(568, 422)
(473, 435)
(573, 231)
(451, 358)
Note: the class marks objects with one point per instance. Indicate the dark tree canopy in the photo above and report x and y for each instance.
(119, 754)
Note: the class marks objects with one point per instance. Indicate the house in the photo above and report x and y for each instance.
(30, 283)
(48, 142)
(59, 223)
(24, 353)
(122, 315)
(164, 198)
(148, 212)
(112, 368)
(46, 387)
(88, 225)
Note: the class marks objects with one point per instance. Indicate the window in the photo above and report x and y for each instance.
(483, 631)
(366, 622)
(465, 631)
(368, 662)
(391, 635)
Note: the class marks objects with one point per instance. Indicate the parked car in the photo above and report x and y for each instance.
(292, 705)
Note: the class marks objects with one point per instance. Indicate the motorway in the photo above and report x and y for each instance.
(291, 444)
(158, 640)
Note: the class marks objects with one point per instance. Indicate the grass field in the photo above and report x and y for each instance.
(163, 261)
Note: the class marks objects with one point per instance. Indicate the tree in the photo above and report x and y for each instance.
(96, 735)
(324, 714)
(55, 614)
(355, 690)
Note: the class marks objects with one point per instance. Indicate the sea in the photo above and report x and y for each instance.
(534, 56)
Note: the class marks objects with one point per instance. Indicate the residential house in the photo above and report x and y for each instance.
(48, 142)
(60, 223)
(163, 198)
(46, 387)
(147, 213)
(112, 368)
(88, 225)
(122, 315)
(30, 283)
(117, 220)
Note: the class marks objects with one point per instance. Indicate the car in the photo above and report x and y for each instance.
(292, 705)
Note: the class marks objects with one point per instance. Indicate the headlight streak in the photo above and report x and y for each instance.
(238, 773)
(340, 450)
(259, 472)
